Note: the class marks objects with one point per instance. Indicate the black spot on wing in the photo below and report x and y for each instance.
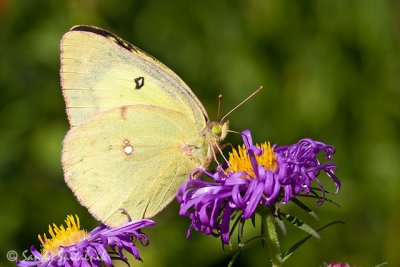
(139, 81)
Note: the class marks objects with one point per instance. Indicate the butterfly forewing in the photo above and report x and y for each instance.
(99, 73)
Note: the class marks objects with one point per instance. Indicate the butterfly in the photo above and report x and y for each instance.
(137, 130)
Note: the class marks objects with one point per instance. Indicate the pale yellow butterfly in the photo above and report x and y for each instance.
(137, 130)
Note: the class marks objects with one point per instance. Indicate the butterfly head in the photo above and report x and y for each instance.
(216, 131)
(220, 130)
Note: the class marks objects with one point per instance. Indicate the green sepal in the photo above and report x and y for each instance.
(305, 208)
(301, 225)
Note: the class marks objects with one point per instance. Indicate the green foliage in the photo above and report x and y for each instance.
(330, 71)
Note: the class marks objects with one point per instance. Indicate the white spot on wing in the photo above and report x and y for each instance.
(128, 149)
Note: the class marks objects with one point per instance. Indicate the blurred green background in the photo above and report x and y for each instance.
(331, 72)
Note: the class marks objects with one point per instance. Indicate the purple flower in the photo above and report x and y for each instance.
(255, 175)
(72, 246)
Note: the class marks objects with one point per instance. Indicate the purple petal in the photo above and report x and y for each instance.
(253, 202)
(225, 224)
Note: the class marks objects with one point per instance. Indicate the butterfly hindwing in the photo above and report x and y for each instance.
(131, 157)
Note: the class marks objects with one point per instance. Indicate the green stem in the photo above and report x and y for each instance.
(270, 236)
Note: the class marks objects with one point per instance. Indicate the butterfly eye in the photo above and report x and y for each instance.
(217, 130)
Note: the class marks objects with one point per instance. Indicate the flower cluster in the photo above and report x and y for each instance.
(255, 175)
(72, 246)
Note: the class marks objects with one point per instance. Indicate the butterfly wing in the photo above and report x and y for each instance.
(114, 92)
(100, 71)
(132, 158)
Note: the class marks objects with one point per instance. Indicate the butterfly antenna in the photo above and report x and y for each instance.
(219, 106)
(241, 103)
